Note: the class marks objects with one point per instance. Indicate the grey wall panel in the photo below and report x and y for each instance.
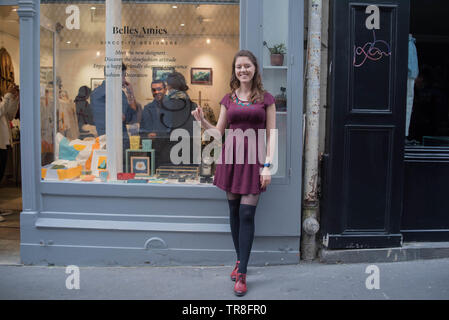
(98, 256)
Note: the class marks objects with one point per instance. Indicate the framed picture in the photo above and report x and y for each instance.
(140, 165)
(46, 75)
(95, 83)
(161, 73)
(99, 162)
(201, 76)
(140, 162)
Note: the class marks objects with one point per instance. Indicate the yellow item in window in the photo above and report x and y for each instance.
(79, 147)
(96, 146)
(67, 174)
(60, 174)
(134, 142)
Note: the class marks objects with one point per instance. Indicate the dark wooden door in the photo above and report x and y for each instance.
(363, 162)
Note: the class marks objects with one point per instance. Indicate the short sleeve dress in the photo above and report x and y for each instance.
(239, 169)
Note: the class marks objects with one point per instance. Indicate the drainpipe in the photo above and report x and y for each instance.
(310, 223)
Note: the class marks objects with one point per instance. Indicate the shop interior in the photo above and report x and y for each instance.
(10, 181)
(156, 40)
(427, 99)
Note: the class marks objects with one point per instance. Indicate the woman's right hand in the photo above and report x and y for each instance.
(198, 114)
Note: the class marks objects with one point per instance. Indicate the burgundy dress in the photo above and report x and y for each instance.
(239, 171)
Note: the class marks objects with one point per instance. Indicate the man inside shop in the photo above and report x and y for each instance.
(151, 125)
(156, 124)
(131, 110)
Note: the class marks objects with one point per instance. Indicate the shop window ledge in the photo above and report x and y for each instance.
(50, 223)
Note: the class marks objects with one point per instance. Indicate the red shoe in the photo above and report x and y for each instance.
(240, 285)
(235, 271)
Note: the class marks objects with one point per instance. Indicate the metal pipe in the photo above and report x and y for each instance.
(311, 147)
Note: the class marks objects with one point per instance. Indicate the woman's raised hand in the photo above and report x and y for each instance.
(198, 114)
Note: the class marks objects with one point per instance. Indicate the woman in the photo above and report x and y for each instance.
(8, 109)
(84, 111)
(247, 107)
(177, 104)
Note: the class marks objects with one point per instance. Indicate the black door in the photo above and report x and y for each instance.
(363, 162)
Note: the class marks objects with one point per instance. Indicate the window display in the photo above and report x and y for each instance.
(168, 61)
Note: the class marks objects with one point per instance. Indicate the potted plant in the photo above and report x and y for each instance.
(277, 53)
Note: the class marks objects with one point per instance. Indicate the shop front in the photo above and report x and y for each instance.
(107, 178)
(386, 158)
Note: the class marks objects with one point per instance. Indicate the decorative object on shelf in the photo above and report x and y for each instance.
(156, 180)
(99, 162)
(201, 76)
(277, 53)
(139, 170)
(125, 176)
(95, 83)
(161, 73)
(48, 174)
(138, 181)
(141, 166)
(87, 178)
(104, 175)
(206, 180)
(175, 172)
(206, 167)
(281, 100)
(146, 144)
(134, 142)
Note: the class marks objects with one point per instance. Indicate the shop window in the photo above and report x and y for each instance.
(427, 116)
(90, 66)
(275, 69)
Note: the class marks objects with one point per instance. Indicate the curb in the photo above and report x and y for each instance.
(408, 252)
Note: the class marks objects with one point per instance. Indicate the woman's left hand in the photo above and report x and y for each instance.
(265, 178)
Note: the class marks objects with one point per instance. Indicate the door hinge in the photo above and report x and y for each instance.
(292, 60)
(290, 172)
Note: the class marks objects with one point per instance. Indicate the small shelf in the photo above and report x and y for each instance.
(276, 67)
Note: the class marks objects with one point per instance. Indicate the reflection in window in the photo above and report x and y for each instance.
(427, 115)
(170, 60)
(429, 123)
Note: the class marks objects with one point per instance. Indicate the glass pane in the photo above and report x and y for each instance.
(427, 109)
(151, 41)
(47, 97)
(275, 69)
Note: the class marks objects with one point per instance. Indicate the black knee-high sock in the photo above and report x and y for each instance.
(234, 222)
(246, 236)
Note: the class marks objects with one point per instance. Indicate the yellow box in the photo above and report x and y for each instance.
(134, 142)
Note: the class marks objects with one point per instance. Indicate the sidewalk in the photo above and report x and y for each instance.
(419, 279)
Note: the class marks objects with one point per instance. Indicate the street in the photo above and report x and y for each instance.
(421, 279)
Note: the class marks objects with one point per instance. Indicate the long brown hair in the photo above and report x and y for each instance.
(257, 90)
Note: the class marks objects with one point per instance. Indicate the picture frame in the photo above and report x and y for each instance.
(161, 73)
(46, 75)
(98, 156)
(140, 162)
(202, 76)
(95, 83)
(140, 165)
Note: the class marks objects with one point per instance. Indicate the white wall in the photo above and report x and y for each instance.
(76, 68)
